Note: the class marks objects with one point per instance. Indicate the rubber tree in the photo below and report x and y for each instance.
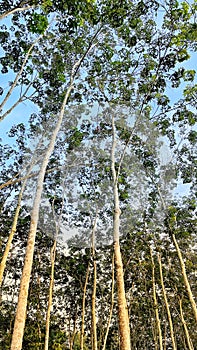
(24, 285)
(123, 317)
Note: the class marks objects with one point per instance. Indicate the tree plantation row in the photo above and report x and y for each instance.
(98, 175)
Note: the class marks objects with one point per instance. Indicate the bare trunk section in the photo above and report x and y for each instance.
(51, 285)
(124, 329)
(184, 273)
(123, 317)
(83, 308)
(166, 303)
(11, 235)
(20, 317)
(53, 253)
(189, 342)
(72, 335)
(94, 330)
(16, 216)
(158, 323)
(111, 308)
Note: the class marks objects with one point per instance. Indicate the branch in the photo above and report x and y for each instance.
(17, 9)
(21, 70)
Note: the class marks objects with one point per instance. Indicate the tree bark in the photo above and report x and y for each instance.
(123, 317)
(53, 252)
(14, 224)
(11, 235)
(83, 308)
(184, 273)
(94, 330)
(158, 323)
(166, 303)
(188, 339)
(111, 307)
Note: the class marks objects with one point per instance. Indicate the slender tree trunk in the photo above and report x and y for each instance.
(123, 317)
(188, 339)
(53, 253)
(72, 337)
(158, 323)
(166, 303)
(38, 304)
(51, 285)
(12, 232)
(19, 324)
(94, 330)
(83, 308)
(16, 216)
(184, 273)
(111, 307)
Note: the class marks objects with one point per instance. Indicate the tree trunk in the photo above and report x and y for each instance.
(166, 303)
(184, 273)
(124, 329)
(188, 339)
(94, 330)
(53, 251)
(158, 323)
(11, 235)
(123, 317)
(111, 307)
(14, 224)
(83, 308)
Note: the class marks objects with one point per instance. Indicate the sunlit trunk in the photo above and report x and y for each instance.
(188, 339)
(111, 307)
(184, 273)
(83, 308)
(11, 235)
(158, 323)
(53, 253)
(94, 330)
(166, 303)
(123, 317)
